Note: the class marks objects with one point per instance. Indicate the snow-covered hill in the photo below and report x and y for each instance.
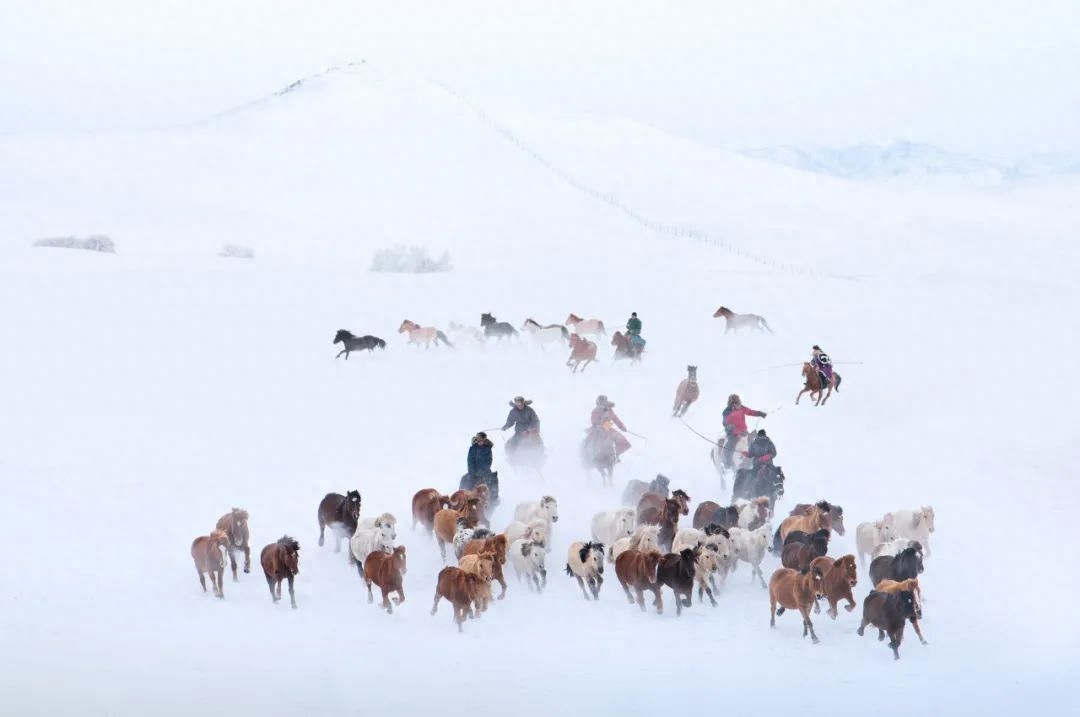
(148, 391)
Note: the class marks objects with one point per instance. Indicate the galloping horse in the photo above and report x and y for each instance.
(813, 384)
(687, 392)
(356, 343)
(553, 333)
(598, 451)
(581, 350)
(496, 328)
(425, 334)
(624, 349)
(582, 326)
(738, 321)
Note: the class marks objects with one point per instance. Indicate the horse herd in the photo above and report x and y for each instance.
(643, 540)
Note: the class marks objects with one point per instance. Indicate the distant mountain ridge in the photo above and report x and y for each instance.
(897, 160)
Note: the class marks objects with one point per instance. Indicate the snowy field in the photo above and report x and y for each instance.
(146, 392)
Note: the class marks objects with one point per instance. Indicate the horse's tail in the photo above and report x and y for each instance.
(565, 332)
(603, 331)
(440, 336)
(838, 379)
(765, 325)
(777, 546)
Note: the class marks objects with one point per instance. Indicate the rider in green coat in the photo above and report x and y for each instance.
(633, 331)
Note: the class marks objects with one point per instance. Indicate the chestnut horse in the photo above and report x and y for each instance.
(813, 385)
(795, 591)
(594, 327)
(687, 392)
(581, 350)
(281, 561)
(446, 523)
(636, 569)
(624, 349)
(425, 504)
(341, 513)
(235, 525)
(838, 577)
(386, 571)
(462, 589)
(423, 334)
(739, 321)
(819, 517)
(206, 552)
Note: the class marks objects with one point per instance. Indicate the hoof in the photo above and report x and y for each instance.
(816, 641)
(294, 606)
(247, 570)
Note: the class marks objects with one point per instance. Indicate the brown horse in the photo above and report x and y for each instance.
(817, 518)
(482, 493)
(636, 569)
(813, 385)
(423, 334)
(711, 512)
(581, 350)
(235, 525)
(425, 504)
(281, 561)
(836, 513)
(484, 565)
(594, 327)
(462, 589)
(838, 577)
(497, 545)
(446, 523)
(624, 349)
(656, 501)
(206, 552)
(687, 392)
(341, 513)
(386, 570)
(740, 321)
(911, 585)
(666, 517)
(795, 591)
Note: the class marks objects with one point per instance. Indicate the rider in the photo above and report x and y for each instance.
(602, 419)
(524, 420)
(735, 424)
(762, 450)
(633, 332)
(479, 463)
(823, 364)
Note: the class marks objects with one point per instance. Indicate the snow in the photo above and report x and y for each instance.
(145, 393)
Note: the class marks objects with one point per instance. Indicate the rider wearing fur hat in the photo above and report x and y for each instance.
(735, 424)
(604, 420)
(821, 361)
(479, 463)
(524, 420)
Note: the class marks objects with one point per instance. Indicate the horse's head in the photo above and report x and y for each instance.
(722, 311)
(927, 514)
(551, 507)
(572, 319)
(406, 325)
(909, 607)
(398, 558)
(530, 325)
(652, 564)
(218, 539)
(691, 372)
(238, 522)
(341, 335)
(290, 554)
(485, 565)
(836, 516)
(817, 580)
(846, 566)
(486, 319)
(471, 511)
(683, 500)
(352, 505)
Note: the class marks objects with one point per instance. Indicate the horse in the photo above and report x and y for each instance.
(552, 333)
(581, 350)
(687, 392)
(386, 570)
(206, 552)
(738, 321)
(425, 504)
(764, 482)
(235, 525)
(357, 343)
(598, 451)
(594, 327)
(813, 384)
(725, 463)
(461, 331)
(819, 517)
(795, 590)
(624, 349)
(341, 513)
(498, 329)
(281, 561)
(423, 334)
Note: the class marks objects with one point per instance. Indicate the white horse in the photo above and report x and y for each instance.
(614, 524)
(582, 327)
(462, 332)
(543, 335)
(373, 535)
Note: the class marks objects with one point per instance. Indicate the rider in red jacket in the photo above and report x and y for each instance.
(604, 413)
(735, 424)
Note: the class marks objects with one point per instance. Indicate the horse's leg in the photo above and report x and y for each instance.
(629, 597)
(761, 577)
(202, 579)
(639, 596)
(270, 584)
(221, 582)
(292, 593)
(386, 600)
(808, 625)
(435, 604)
(322, 529)
(232, 563)
(442, 547)
(915, 624)
(709, 592)
(597, 582)
(502, 584)
(370, 597)
(247, 558)
(581, 584)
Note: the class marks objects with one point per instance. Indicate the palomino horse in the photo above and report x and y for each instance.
(741, 321)
(496, 328)
(423, 334)
(624, 349)
(813, 384)
(594, 327)
(553, 333)
(581, 350)
(598, 451)
(687, 392)
(352, 342)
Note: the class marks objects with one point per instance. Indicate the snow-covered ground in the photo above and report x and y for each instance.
(147, 392)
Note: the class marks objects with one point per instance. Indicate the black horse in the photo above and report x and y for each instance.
(340, 513)
(469, 481)
(752, 483)
(498, 329)
(356, 343)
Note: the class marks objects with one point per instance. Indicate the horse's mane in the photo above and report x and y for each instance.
(290, 543)
(534, 323)
(680, 491)
(716, 529)
(588, 548)
(823, 505)
(239, 513)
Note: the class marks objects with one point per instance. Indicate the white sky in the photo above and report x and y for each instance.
(983, 76)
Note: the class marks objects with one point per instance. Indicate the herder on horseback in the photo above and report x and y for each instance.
(526, 426)
(823, 364)
(479, 463)
(735, 424)
(633, 332)
(604, 421)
